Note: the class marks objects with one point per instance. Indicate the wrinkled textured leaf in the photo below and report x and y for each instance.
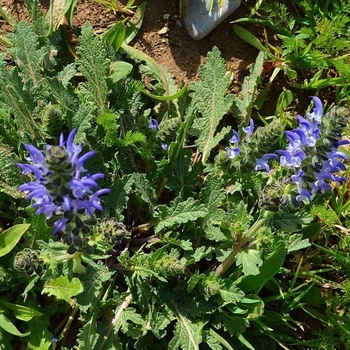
(211, 101)
(93, 64)
(92, 283)
(62, 288)
(179, 212)
(250, 261)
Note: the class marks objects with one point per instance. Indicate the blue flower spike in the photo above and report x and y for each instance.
(62, 190)
(311, 155)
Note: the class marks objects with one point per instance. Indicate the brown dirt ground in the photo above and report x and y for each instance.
(175, 49)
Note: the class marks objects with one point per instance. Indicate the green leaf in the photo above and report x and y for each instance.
(40, 336)
(131, 323)
(250, 261)
(9, 173)
(115, 35)
(134, 24)
(292, 221)
(254, 306)
(160, 320)
(284, 100)
(245, 102)
(18, 100)
(153, 69)
(119, 70)
(21, 312)
(10, 237)
(187, 334)
(213, 195)
(93, 64)
(62, 288)
(92, 283)
(297, 242)
(229, 292)
(88, 334)
(249, 38)
(211, 101)
(179, 212)
(82, 121)
(268, 269)
(108, 122)
(26, 54)
(9, 327)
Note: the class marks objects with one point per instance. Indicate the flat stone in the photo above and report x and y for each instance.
(197, 20)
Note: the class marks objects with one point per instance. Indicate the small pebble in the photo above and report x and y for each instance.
(166, 16)
(179, 23)
(163, 31)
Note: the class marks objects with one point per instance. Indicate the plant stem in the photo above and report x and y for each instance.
(228, 262)
(117, 316)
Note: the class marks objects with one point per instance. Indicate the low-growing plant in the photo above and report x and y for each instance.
(159, 218)
(315, 42)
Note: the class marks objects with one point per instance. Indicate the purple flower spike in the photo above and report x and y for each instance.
(61, 188)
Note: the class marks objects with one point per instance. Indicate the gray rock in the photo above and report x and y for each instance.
(197, 20)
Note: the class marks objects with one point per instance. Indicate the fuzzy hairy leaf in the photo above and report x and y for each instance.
(250, 261)
(291, 221)
(179, 212)
(120, 192)
(26, 54)
(9, 173)
(62, 288)
(88, 335)
(82, 121)
(212, 195)
(92, 283)
(211, 101)
(93, 64)
(159, 321)
(187, 333)
(182, 174)
(18, 100)
(243, 106)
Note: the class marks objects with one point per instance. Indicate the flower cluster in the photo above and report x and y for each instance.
(62, 189)
(311, 155)
(234, 150)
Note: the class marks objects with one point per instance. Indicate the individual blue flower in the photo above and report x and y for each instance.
(317, 112)
(62, 188)
(304, 195)
(232, 152)
(235, 138)
(263, 163)
(250, 128)
(153, 124)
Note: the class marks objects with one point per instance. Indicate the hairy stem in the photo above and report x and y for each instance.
(229, 261)
(117, 316)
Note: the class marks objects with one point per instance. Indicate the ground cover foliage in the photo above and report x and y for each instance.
(139, 214)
